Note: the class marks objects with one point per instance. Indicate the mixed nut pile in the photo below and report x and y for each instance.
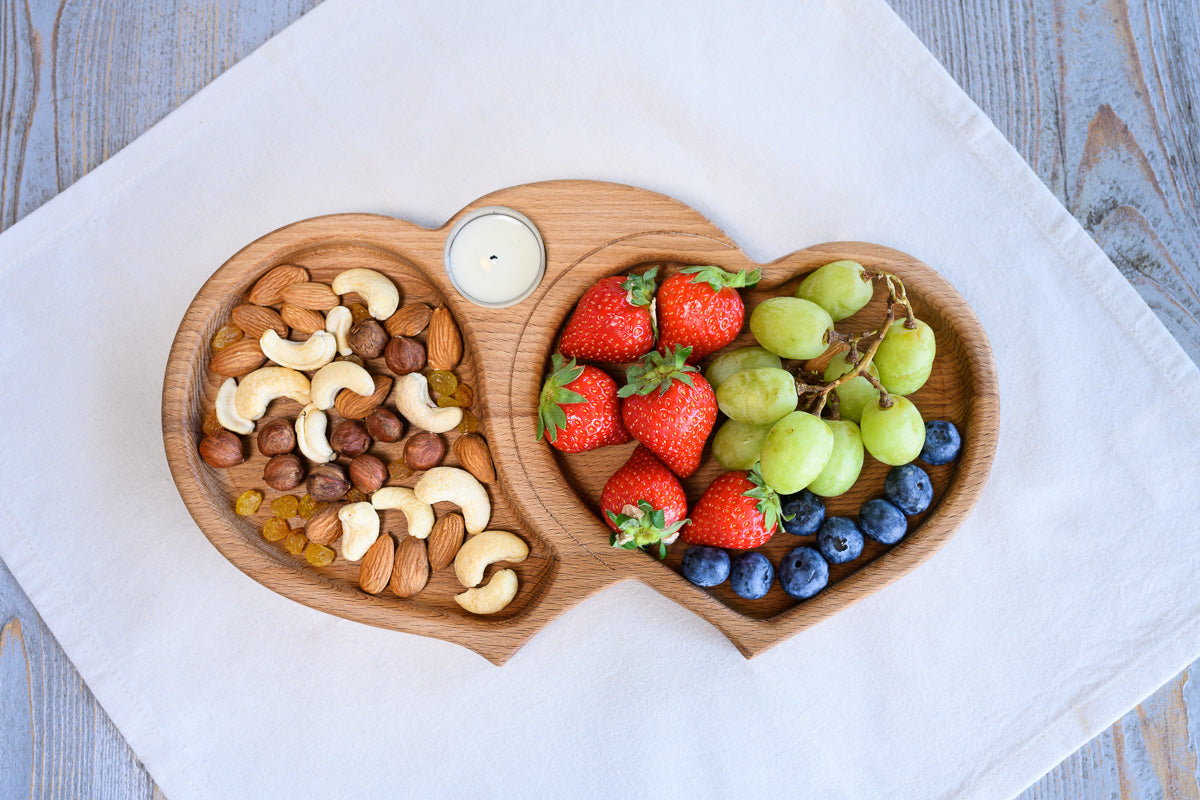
(323, 366)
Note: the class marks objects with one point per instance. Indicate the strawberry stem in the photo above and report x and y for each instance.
(640, 289)
(645, 528)
(720, 279)
(551, 416)
(768, 501)
(658, 370)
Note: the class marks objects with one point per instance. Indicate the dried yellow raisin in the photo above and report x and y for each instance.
(464, 394)
(226, 336)
(318, 555)
(275, 529)
(359, 312)
(249, 502)
(212, 425)
(468, 424)
(355, 496)
(443, 382)
(448, 401)
(307, 507)
(285, 507)
(398, 470)
(296, 542)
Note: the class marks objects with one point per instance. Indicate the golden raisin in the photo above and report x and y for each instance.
(468, 424)
(352, 358)
(307, 507)
(359, 312)
(398, 470)
(285, 507)
(211, 425)
(295, 542)
(318, 555)
(226, 336)
(464, 394)
(275, 529)
(448, 401)
(249, 502)
(355, 496)
(443, 382)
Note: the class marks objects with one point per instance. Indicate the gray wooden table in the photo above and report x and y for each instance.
(1101, 97)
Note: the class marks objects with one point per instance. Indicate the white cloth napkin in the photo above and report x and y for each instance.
(1067, 597)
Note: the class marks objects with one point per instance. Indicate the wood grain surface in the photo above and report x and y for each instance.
(1100, 97)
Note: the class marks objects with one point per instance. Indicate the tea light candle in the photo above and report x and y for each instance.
(495, 257)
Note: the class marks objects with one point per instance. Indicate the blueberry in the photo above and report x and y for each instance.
(806, 510)
(941, 443)
(803, 573)
(705, 566)
(839, 540)
(751, 575)
(882, 521)
(908, 488)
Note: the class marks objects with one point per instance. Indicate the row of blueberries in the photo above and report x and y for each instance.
(804, 571)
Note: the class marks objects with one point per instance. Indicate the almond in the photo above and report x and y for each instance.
(408, 321)
(410, 573)
(324, 527)
(444, 344)
(268, 291)
(310, 295)
(444, 541)
(238, 359)
(473, 455)
(352, 405)
(257, 320)
(376, 568)
(302, 320)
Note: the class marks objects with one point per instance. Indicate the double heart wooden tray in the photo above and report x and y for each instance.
(591, 230)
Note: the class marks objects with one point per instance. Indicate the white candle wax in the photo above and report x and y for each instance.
(495, 257)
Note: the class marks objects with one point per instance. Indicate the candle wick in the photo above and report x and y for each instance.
(493, 258)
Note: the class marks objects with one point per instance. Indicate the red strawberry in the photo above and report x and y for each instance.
(737, 511)
(578, 408)
(670, 408)
(643, 503)
(614, 320)
(700, 307)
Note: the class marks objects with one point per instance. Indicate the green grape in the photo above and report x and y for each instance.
(845, 462)
(854, 394)
(838, 288)
(791, 327)
(736, 445)
(905, 357)
(794, 452)
(894, 435)
(758, 396)
(724, 366)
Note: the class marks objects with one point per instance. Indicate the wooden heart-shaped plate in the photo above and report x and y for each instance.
(591, 230)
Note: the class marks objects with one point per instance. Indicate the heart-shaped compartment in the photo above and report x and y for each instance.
(590, 230)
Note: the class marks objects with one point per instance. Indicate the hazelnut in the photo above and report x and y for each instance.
(327, 482)
(276, 438)
(424, 451)
(324, 527)
(221, 449)
(367, 473)
(384, 426)
(367, 338)
(284, 472)
(404, 355)
(349, 438)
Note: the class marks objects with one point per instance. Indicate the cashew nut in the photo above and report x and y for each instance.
(411, 395)
(226, 413)
(380, 293)
(459, 487)
(418, 515)
(259, 388)
(487, 548)
(360, 529)
(310, 435)
(317, 351)
(498, 593)
(338, 322)
(332, 378)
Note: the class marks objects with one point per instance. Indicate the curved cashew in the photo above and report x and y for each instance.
(310, 435)
(487, 548)
(338, 322)
(259, 388)
(419, 515)
(411, 395)
(498, 593)
(317, 351)
(226, 412)
(360, 529)
(459, 487)
(332, 378)
(380, 293)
